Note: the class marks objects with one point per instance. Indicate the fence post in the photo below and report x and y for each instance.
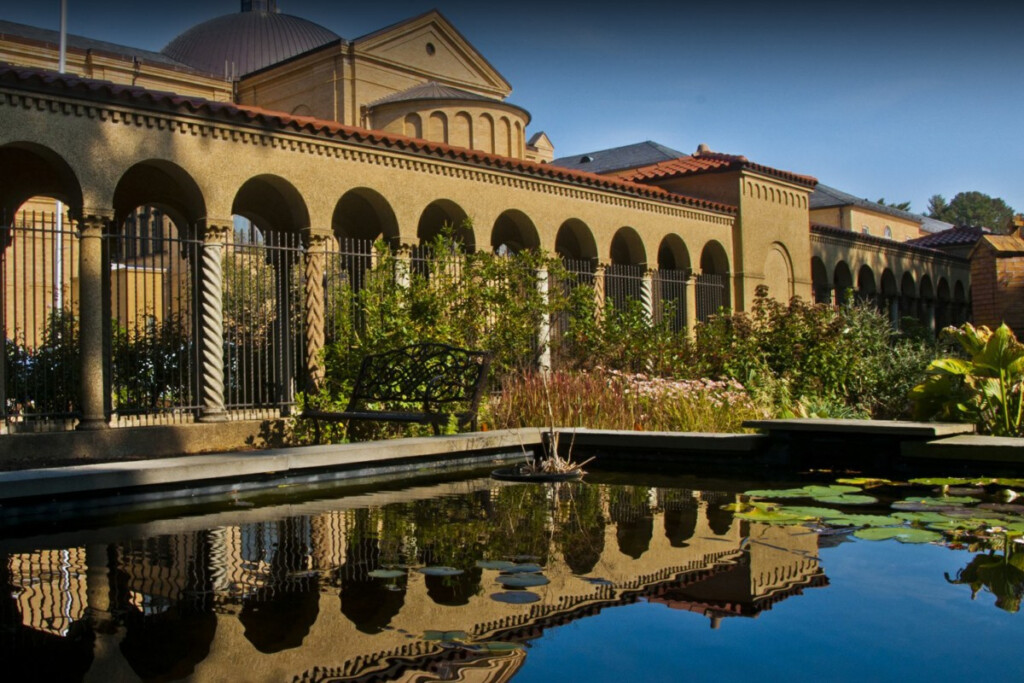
(647, 294)
(316, 257)
(211, 321)
(690, 294)
(600, 288)
(544, 330)
(92, 322)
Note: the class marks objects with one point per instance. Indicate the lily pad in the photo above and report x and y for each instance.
(440, 571)
(386, 573)
(864, 481)
(847, 499)
(500, 565)
(515, 597)
(1013, 508)
(809, 513)
(923, 517)
(901, 534)
(777, 493)
(769, 516)
(950, 481)
(445, 636)
(525, 569)
(522, 580)
(943, 500)
(861, 520)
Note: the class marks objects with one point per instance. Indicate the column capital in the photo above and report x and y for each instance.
(215, 229)
(95, 221)
(316, 236)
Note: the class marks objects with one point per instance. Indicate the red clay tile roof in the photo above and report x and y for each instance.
(52, 82)
(704, 162)
(960, 236)
(893, 245)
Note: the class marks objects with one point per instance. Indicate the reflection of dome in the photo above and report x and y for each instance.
(236, 44)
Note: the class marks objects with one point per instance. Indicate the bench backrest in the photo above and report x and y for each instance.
(430, 375)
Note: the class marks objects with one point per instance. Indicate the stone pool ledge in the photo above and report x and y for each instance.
(233, 471)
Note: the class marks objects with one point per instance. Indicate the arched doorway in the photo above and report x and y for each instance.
(713, 282)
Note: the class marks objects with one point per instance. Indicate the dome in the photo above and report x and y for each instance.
(237, 44)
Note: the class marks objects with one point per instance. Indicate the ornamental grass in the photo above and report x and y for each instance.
(608, 399)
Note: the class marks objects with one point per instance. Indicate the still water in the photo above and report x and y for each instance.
(661, 578)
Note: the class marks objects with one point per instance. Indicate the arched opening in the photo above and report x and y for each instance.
(821, 287)
(673, 272)
(364, 215)
(943, 308)
(842, 283)
(445, 216)
(890, 297)
(514, 232)
(624, 277)
(959, 303)
(155, 260)
(927, 303)
(908, 296)
(867, 287)
(412, 126)
(39, 350)
(264, 294)
(575, 242)
(713, 282)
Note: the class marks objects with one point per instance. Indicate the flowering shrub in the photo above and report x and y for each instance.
(609, 399)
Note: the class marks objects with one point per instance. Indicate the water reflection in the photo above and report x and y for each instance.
(298, 591)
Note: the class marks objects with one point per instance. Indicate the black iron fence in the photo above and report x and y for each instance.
(711, 295)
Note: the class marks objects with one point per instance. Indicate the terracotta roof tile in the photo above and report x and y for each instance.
(910, 247)
(960, 236)
(54, 82)
(704, 162)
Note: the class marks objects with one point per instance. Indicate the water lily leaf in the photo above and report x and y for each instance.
(864, 481)
(499, 646)
(777, 493)
(440, 571)
(901, 534)
(964, 491)
(948, 481)
(515, 597)
(809, 513)
(445, 636)
(769, 517)
(525, 569)
(861, 520)
(846, 499)
(500, 565)
(830, 490)
(921, 517)
(1013, 508)
(386, 573)
(944, 500)
(915, 506)
(522, 580)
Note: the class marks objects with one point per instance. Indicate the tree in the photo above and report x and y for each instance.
(902, 206)
(973, 209)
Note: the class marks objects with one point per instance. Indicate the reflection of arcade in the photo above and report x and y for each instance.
(217, 597)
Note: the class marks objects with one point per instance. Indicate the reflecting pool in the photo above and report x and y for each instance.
(621, 577)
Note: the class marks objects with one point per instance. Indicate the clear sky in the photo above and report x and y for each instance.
(900, 100)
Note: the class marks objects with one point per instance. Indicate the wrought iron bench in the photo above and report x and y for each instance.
(422, 383)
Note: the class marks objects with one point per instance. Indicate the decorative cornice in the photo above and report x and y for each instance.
(108, 102)
(830, 234)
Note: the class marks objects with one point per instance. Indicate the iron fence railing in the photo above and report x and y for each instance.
(624, 283)
(710, 295)
(39, 387)
(669, 292)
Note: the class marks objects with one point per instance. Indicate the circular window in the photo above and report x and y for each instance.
(431, 49)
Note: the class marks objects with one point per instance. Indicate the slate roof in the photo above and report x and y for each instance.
(80, 43)
(957, 236)
(619, 158)
(706, 161)
(825, 197)
(432, 90)
(53, 83)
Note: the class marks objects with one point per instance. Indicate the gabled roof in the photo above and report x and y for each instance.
(705, 161)
(957, 236)
(56, 84)
(825, 197)
(1003, 245)
(619, 158)
(432, 90)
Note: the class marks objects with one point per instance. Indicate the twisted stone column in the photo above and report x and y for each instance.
(211, 324)
(92, 322)
(690, 298)
(544, 330)
(600, 287)
(316, 258)
(647, 294)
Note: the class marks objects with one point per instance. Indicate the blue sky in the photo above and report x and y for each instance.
(880, 99)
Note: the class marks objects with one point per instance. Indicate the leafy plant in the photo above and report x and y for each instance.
(983, 388)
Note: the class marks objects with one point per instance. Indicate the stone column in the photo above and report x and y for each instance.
(599, 288)
(92, 322)
(316, 259)
(544, 330)
(894, 312)
(647, 294)
(403, 266)
(690, 294)
(282, 333)
(211, 322)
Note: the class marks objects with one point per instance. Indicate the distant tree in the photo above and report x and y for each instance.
(974, 209)
(902, 206)
(937, 205)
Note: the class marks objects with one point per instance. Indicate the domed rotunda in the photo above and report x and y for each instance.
(234, 45)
